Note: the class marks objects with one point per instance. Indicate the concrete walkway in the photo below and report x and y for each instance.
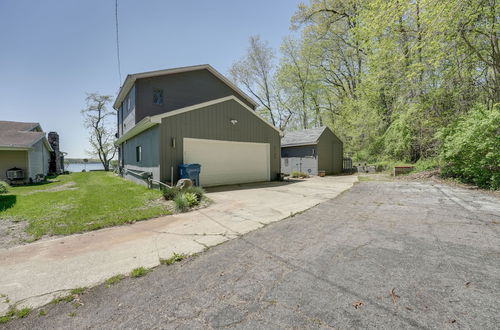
(32, 275)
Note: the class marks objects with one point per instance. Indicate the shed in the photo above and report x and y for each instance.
(310, 151)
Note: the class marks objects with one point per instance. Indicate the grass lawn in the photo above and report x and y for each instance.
(80, 202)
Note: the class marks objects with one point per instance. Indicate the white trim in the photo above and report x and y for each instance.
(131, 78)
(149, 122)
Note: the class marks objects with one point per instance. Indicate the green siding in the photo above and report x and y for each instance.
(180, 90)
(330, 153)
(213, 122)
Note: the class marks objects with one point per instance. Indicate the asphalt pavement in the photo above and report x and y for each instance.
(382, 255)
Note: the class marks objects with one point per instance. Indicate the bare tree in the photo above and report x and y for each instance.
(255, 73)
(98, 119)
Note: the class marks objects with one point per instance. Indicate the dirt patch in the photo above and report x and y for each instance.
(67, 186)
(13, 233)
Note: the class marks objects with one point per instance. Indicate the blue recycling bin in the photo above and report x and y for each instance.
(190, 171)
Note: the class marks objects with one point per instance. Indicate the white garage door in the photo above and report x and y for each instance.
(228, 162)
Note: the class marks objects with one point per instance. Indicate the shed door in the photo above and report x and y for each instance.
(228, 162)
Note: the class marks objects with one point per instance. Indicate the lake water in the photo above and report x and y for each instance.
(76, 167)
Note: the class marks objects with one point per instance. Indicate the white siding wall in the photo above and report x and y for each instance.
(38, 160)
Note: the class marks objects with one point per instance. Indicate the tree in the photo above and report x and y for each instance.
(99, 120)
(255, 72)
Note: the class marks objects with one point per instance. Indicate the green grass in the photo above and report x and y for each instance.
(22, 313)
(96, 200)
(138, 272)
(13, 312)
(68, 298)
(175, 258)
(78, 291)
(115, 279)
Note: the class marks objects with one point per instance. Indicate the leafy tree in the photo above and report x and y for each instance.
(471, 146)
(99, 120)
(255, 72)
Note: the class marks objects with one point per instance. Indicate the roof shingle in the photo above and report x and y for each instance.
(15, 134)
(302, 137)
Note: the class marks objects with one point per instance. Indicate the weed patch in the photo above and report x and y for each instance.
(173, 259)
(139, 272)
(113, 280)
(78, 291)
(23, 312)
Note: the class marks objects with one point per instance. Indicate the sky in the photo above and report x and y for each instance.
(53, 52)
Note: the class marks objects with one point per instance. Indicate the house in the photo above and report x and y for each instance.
(311, 150)
(24, 146)
(193, 115)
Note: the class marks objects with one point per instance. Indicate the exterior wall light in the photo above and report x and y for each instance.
(234, 121)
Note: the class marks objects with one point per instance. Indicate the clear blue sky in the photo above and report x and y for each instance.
(54, 51)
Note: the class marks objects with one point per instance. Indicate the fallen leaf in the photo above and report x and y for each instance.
(358, 304)
(394, 296)
(467, 284)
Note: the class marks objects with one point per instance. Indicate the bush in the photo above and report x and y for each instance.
(181, 203)
(198, 191)
(170, 193)
(4, 187)
(469, 148)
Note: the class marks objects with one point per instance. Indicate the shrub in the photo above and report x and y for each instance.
(4, 187)
(469, 149)
(191, 198)
(181, 203)
(170, 193)
(198, 191)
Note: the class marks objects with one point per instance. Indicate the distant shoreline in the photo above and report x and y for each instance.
(80, 161)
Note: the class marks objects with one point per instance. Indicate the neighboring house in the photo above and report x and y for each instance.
(311, 150)
(193, 115)
(24, 146)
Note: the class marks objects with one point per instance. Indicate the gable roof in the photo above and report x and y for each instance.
(150, 121)
(302, 137)
(131, 78)
(20, 135)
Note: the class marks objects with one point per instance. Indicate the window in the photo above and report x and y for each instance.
(138, 154)
(158, 96)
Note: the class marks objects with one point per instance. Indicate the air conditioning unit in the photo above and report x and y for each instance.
(15, 174)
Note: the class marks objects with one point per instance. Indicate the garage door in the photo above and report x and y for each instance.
(228, 162)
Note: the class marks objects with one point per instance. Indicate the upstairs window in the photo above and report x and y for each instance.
(138, 154)
(158, 96)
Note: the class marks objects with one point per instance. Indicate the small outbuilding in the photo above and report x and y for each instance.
(310, 151)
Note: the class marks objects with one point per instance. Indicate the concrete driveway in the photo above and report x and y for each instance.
(32, 275)
(384, 255)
